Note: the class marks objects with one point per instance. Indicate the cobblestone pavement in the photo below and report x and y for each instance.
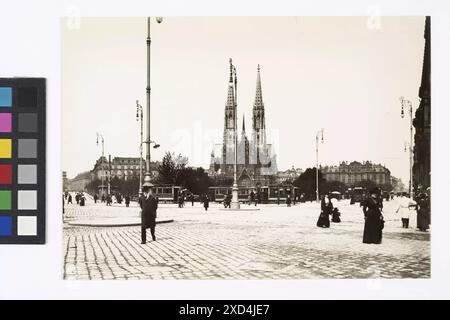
(275, 242)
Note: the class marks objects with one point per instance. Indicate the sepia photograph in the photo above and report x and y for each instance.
(246, 148)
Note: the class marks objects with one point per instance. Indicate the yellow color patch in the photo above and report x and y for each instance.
(5, 148)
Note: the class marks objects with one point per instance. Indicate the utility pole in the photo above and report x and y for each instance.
(408, 104)
(140, 117)
(109, 175)
(235, 191)
(102, 160)
(147, 178)
(320, 132)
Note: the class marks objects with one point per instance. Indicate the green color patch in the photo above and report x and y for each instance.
(5, 200)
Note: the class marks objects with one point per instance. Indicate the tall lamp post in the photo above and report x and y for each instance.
(407, 103)
(319, 133)
(109, 174)
(235, 191)
(103, 156)
(140, 117)
(147, 178)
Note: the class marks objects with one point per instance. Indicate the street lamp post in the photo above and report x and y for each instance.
(235, 191)
(109, 174)
(408, 104)
(147, 178)
(140, 117)
(319, 133)
(155, 146)
(103, 155)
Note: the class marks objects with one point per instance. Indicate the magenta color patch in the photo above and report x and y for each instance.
(5, 122)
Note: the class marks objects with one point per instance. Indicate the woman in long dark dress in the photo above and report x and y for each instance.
(374, 222)
(82, 201)
(326, 208)
(423, 212)
(336, 216)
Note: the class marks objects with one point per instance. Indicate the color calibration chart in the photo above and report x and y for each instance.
(22, 160)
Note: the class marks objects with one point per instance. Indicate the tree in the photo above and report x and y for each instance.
(306, 182)
(93, 186)
(196, 180)
(387, 187)
(397, 184)
(171, 169)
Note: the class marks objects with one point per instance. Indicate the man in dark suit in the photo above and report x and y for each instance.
(149, 205)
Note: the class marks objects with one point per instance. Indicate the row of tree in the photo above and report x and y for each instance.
(174, 170)
(124, 187)
(306, 184)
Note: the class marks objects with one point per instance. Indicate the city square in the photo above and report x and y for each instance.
(304, 157)
(273, 242)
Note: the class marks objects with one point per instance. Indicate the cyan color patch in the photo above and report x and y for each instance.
(5, 226)
(5, 97)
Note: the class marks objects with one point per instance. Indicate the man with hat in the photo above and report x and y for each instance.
(149, 205)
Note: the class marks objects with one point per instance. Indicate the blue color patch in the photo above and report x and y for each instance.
(5, 97)
(5, 226)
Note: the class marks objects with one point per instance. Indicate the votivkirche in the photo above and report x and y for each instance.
(256, 161)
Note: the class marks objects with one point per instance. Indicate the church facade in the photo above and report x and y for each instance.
(256, 161)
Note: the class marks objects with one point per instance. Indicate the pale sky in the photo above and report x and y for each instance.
(343, 74)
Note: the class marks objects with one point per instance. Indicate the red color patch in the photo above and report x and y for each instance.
(5, 174)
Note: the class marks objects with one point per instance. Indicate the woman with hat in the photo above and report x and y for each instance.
(374, 222)
(326, 208)
(423, 212)
(149, 205)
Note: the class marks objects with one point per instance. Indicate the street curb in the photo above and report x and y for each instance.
(223, 209)
(104, 225)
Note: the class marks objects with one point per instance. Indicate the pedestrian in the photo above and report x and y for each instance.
(336, 216)
(180, 201)
(127, 200)
(108, 200)
(288, 201)
(258, 197)
(423, 212)
(302, 198)
(95, 198)
(326, 208)
(77, 197)
(103, 198)
(149, 205)
(82, 200)
(192, 199)
(404, 208)
(374, 222)
(69, 199)
(206, 202)
(252, 198)
(227, 201)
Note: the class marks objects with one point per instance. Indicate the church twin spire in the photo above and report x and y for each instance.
(253, 152)
(258, 105)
